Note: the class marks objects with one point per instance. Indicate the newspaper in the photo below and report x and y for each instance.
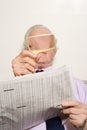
(29, 100)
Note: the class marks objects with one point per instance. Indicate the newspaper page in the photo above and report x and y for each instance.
(27, 101)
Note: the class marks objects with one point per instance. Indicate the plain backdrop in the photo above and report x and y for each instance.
(66, 18)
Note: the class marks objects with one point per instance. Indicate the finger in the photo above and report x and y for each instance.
(39, 55)
(29, 67)
(77, 117)
(28, 53)
(72, 110)
(23, 71)
(77, 122)
(70, 103)
(21, 61)
(29, 61)
(74, 122)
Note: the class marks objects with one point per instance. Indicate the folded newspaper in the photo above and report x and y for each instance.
(29, 100)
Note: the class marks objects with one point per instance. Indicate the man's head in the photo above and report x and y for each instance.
(40, 40)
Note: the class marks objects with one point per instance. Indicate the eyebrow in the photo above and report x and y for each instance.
(41, 35)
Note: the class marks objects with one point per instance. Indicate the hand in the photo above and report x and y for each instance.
(24, 63)
(77, 113)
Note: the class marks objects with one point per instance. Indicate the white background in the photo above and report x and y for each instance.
(66, 18)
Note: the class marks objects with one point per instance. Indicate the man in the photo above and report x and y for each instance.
(38, 53)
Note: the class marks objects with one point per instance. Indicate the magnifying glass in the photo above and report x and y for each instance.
(43, 50)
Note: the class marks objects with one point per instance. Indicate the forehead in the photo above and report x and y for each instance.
(39, 31)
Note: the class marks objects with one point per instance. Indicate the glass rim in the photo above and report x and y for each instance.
(40, 35)
(43, 50)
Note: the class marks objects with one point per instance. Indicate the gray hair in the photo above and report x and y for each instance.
(29, 31)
